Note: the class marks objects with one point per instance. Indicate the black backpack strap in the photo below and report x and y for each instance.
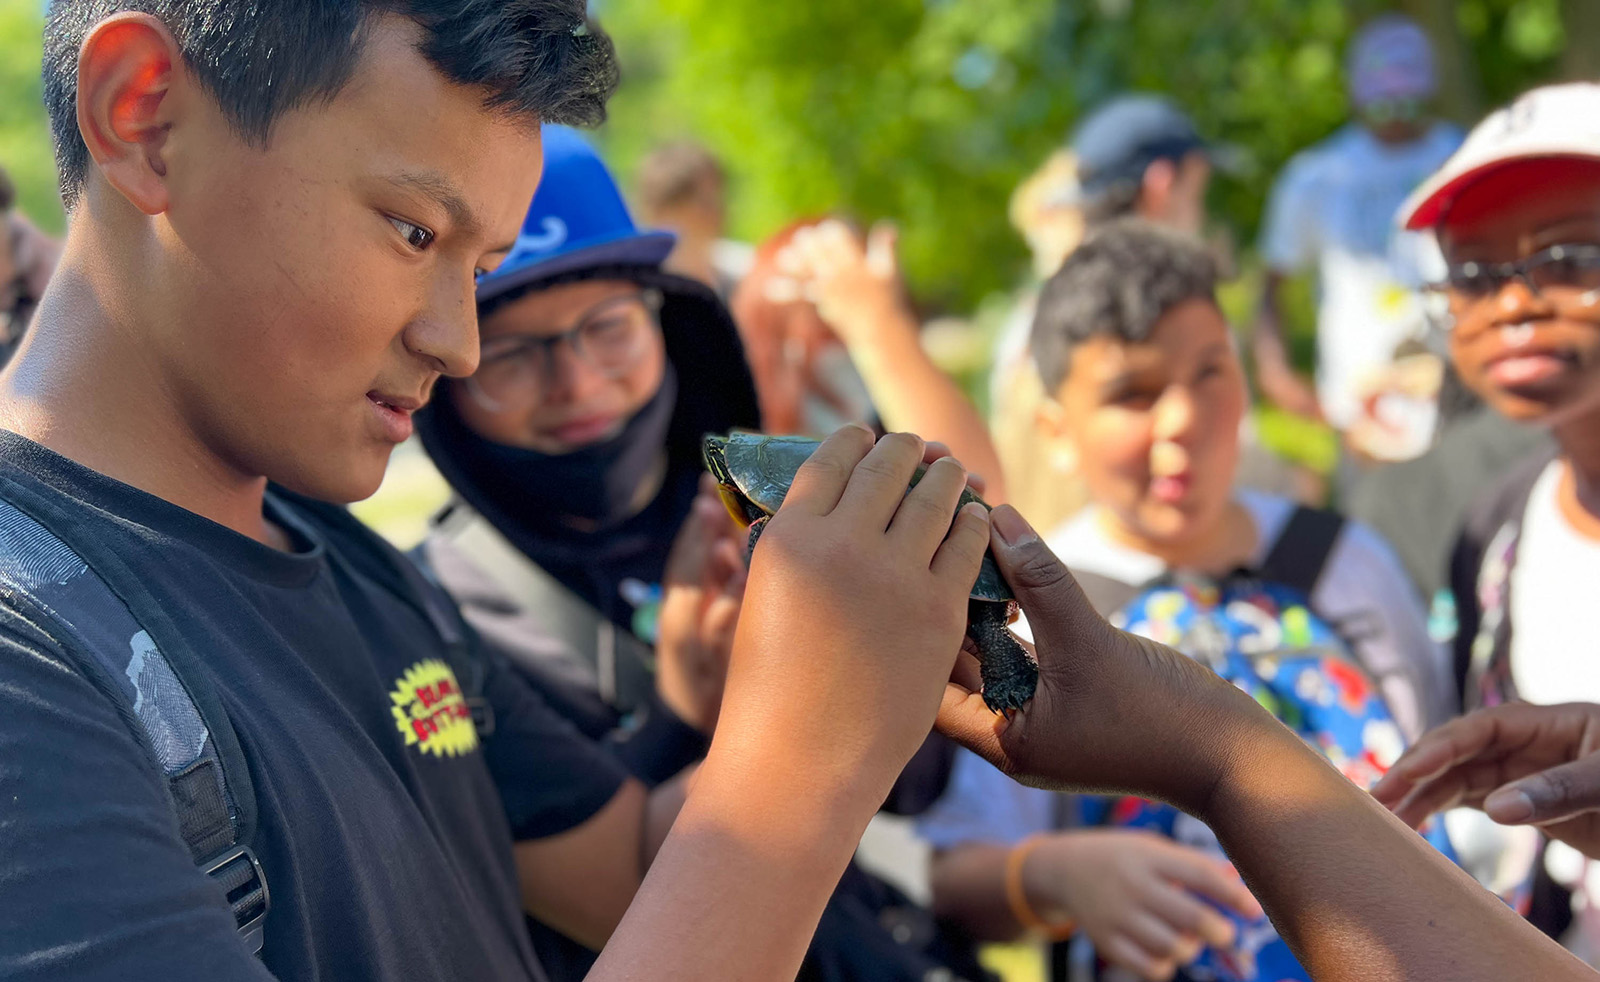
(1301, 553)
(94, 620)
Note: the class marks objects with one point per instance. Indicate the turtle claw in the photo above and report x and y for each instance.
(1006, 696)
(1009, 675)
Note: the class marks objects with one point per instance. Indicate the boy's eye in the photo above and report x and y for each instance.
(416, 236)
(1133, 399)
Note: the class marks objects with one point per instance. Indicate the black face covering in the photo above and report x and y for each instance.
(598, 483)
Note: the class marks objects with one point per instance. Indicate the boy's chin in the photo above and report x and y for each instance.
(1533, 408)
(356, 479)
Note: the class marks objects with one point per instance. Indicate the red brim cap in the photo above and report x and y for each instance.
(1550, 124)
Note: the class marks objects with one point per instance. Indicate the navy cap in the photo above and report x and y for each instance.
(1123, 137)
(578, 220)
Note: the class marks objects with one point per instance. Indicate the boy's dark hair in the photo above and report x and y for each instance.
(541, 59)
(8, 191)
(1119, 282)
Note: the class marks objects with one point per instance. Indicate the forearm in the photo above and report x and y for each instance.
(1357, 894)
(969, 890)
(911, 393)
(661, 811)
(1266, 337)
(737, 889)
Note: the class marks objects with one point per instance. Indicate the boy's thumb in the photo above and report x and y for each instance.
(1057, 609)
(1549, 796)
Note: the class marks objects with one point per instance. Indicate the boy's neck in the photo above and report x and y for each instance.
(1221, 548)
(1580, 492)
(83, 386)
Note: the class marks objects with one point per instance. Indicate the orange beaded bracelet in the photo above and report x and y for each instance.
(1017, 896)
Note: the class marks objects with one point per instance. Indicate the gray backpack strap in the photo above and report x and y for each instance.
(92, 620)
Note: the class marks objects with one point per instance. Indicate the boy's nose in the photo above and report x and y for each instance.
(447, 332)
(565, 376)
(1175, 413)
(1516, 302)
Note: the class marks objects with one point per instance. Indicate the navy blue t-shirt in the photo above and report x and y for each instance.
(387, 845)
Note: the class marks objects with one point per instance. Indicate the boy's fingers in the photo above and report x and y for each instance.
(882, 258)
(1156, 937)
(1465, 784)
(935, 450)
(1549, 796)
(1211, 878)
(962, 552)
(1192, 917)
(967, 672)
(821, 480)
(878, 484)
(964, 718)
(926, 513)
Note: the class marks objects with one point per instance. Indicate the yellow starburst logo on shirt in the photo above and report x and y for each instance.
(431, 712)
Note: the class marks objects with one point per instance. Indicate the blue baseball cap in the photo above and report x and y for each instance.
(578, 221)
(1123, 137)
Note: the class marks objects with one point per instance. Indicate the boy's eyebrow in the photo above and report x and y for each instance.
(444, 191)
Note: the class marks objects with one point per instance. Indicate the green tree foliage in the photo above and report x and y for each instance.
(930, 111)
(24, 133)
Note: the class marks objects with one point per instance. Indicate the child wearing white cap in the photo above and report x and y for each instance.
(1517, 214)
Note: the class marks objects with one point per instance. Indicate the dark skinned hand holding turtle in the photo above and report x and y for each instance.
(755, 473)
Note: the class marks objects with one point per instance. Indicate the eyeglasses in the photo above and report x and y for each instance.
(612, 338)
(1572, 266)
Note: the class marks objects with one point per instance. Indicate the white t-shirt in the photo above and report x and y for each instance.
(1363, 593)
(1555, 642)
(1334, 208)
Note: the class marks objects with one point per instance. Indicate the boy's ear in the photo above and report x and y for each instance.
(1060, 448)
(1156, 190)
(126, 71)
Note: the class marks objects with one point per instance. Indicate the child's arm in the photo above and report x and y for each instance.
(1354, 892)
(853, 616)
(858, 293)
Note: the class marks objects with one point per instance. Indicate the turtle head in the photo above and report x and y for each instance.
(714, 450)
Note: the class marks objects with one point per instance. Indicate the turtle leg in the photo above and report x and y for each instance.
(756, 528)
(1009, 675)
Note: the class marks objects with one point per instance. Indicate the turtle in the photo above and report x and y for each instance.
(754, 472)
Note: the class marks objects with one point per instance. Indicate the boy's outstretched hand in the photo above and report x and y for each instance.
(1522, 764)
(854, 614)
(1113, 712)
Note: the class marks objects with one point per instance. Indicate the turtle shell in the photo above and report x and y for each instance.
(761, 468)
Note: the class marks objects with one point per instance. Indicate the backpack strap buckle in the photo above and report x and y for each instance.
(241, 877)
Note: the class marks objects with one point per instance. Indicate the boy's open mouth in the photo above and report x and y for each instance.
(394, 415)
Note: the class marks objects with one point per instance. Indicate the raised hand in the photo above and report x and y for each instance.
(702, 592)
(853, 281)
(1521, 764)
